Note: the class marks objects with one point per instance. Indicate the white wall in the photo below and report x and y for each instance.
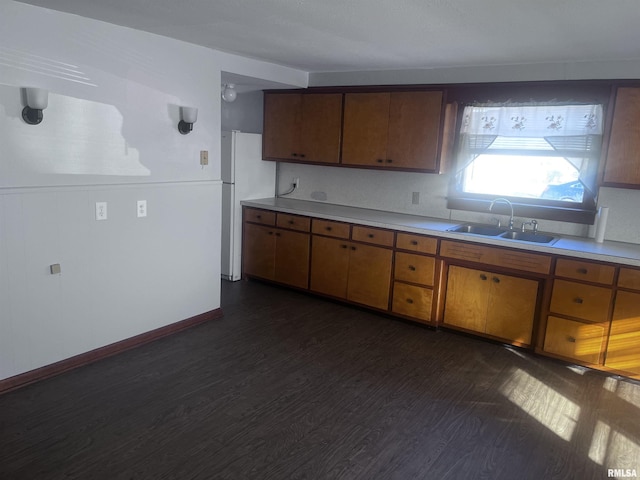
(245, 114)
(109, 134)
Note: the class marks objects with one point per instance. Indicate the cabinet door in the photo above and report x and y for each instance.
(623, 350)
(369, 275)
(467, 298)
(414, 130)
(366, 125)
(282, 117)
(329, 266)
(511, 308)
(259, 251)
(623, 156)
(321, 127)
(292, 258)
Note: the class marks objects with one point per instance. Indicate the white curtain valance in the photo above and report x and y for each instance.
(533, 121)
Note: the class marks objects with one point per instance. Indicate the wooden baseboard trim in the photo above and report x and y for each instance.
(32, 376)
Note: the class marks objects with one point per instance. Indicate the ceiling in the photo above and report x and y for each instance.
(351, 35)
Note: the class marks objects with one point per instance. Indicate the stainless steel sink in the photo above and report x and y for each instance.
(528, 237)
(500, 232)
(475, 229)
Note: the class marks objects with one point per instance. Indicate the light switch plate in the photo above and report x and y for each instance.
(204, 157)
(142, 208)
(55, 269)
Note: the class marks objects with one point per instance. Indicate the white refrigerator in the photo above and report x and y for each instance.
(244, 176)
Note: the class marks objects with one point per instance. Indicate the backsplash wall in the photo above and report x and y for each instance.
(393, 191)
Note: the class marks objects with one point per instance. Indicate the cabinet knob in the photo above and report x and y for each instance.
(412, 268)
(380, 160)
(583, 271)
(277, 234)
(353, 248)
(270, 233)
(302, 155)
(291, 222)
(371, 235)
(258, 217)
(389, 160)
(294, 154)
(414, 242)
(328, 229)
(495, 280)
(409, 300)
(571, 339)
(578, 300)
(343, 246)
(483, 276)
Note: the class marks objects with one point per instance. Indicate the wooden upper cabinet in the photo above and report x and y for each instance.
(396, 130)
(366, 126)
(302, 127)
(622, 165)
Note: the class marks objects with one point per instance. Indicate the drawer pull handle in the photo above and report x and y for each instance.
(495, 280)
(270, 233)
(371, 235)
(343, 246)
(328, 229)
(258, 217)
(277, 234)
(409, 300)
(380, 160)
(302, 155)
(571, 339)
(294, 154)
(389, 160)
(412, 268)
(414, 242)
(578, 300)
(483, 276)
(583, 271)
(291, 222)
(353, 248)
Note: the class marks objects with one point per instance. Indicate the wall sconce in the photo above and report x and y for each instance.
(37, 100)
(189, 115)
(229, 93)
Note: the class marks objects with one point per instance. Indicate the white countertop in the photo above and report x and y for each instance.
(615, 252)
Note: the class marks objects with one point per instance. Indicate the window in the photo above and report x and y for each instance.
(544, 158)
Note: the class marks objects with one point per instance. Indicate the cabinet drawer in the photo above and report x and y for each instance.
(412, 301)
(376, 236)
(294, 222)
(264, 217)
(629, 278)
(414, 268)
(416, 243)
(587, 271)
(330, 228)
(571, 339)
(529, 262)
(581, 301)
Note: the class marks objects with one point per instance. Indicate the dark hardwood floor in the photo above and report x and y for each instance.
(287, 385)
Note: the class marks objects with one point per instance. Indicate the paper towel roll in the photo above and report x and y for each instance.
(603, 214)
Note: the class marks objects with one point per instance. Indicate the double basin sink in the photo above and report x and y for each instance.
(499, 232)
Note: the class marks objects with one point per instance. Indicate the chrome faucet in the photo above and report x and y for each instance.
(504, 200)
(534, 226)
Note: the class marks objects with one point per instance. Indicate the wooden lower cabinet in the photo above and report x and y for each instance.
(276, 254)
(412, 301)
(353, 271)
(502, 306)
(579, 341)
(623, 349)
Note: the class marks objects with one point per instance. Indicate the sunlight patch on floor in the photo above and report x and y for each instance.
(543, 403)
